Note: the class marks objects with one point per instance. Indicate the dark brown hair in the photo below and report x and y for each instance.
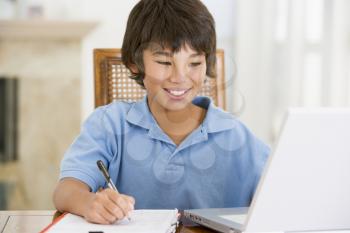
(170, 24)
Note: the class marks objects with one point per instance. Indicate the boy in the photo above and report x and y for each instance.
(172, 149)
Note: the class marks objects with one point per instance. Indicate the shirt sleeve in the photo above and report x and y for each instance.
(95, 142)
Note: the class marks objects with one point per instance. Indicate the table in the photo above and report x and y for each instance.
(34, 221)
(24, 221)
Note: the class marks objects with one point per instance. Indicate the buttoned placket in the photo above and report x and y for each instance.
(198, 135)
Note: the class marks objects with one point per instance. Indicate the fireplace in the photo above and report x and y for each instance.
(45, 57)
(8, 119)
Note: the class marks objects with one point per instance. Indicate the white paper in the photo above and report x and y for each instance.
(145, 221)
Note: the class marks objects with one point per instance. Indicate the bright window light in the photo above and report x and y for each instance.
(312, 81)
(314, 20)
(348, 80)
(281, 27)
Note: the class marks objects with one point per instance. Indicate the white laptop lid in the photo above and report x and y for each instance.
(306, 184)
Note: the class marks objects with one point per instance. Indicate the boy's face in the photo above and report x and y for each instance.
(172, 80)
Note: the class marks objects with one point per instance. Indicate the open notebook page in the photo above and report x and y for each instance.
(145, 221)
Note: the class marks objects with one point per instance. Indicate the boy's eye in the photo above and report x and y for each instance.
(196, 63)
(164, 63)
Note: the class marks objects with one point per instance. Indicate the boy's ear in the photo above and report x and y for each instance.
(133, 68)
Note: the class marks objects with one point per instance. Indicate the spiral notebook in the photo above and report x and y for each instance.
(145, 221)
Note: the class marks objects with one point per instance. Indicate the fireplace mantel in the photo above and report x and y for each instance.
(45, 29)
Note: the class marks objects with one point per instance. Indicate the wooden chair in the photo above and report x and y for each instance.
(112, 80)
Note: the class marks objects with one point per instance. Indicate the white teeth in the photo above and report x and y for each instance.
(177, 93)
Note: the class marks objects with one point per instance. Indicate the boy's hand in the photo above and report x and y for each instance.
(108, 206)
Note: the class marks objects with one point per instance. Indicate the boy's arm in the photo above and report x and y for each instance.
(105, 207)
(70, 195)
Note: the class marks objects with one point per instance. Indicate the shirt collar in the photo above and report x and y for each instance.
(140, 115)
(216, 119)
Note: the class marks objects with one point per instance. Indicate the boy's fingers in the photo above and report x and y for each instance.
(121, 201)
(112, 208)
(123, 204)
(111, 192)
(101, 220)
(109, 216)
(130, 199)
(97, 218)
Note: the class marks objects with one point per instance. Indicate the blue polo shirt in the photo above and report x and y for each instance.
(218, 165)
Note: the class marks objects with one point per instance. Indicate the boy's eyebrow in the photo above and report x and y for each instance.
(196, 54)
(167, 54)
(162, 53)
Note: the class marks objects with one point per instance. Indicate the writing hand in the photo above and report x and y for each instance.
(108, 206)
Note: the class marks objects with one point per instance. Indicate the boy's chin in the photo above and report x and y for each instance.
(176, 106)
(169, 104)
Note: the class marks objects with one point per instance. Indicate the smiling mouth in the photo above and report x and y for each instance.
(177, 92)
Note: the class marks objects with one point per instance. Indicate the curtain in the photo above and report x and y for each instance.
(290, 53)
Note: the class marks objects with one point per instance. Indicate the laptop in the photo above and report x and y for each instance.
(305, 185)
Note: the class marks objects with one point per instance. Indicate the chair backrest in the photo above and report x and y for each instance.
(112, 80)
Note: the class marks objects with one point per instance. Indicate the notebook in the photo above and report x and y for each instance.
(145, 221)
(306, 183)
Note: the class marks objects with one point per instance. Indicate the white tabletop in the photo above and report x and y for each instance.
(33, 221)
(24, 221)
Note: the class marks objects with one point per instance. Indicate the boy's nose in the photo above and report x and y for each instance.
(178, 75)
